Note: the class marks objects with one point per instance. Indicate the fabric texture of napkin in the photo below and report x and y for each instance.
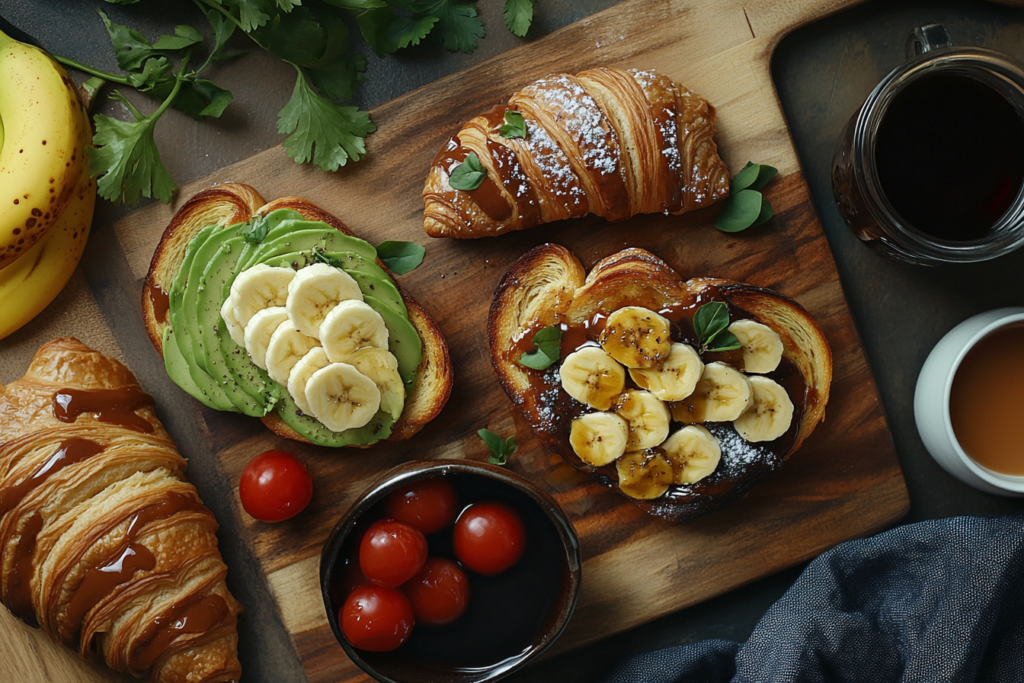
(933, 602)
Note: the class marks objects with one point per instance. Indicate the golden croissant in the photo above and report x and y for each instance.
(607, 141)
(103, 543)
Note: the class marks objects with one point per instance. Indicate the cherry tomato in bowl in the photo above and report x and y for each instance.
(439, 594)
(427, 504)
(489, 537)
(392, 552)
(375, 618)
(275, 486)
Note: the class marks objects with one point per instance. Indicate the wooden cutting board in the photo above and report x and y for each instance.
(845, 482)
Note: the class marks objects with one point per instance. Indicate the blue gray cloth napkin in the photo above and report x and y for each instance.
(933, 602)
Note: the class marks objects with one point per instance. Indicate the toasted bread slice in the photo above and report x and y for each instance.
(235, 203)
(548, 286)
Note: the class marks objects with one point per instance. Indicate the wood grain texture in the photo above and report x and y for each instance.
(845, 482)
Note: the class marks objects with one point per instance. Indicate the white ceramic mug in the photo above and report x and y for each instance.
(931, 402)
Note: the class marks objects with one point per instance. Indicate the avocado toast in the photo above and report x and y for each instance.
(193, 290)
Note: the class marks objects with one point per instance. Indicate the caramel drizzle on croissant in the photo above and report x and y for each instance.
(102, 541)
(607, 141)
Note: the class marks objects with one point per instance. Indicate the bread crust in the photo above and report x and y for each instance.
(548, 286)
(235, 203)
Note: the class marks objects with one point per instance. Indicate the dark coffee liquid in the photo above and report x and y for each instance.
(950, 156)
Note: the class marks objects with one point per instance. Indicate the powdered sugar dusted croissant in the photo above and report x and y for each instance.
(103, 543)
(607, 141)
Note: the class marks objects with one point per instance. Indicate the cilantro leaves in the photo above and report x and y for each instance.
(549, 349)
(500, 448)
(320, 129)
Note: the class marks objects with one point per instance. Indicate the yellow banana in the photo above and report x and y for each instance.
(29, 284)
(46, 130)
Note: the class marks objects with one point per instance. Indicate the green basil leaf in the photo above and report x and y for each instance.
(469, 174)
(739, 211)
(514, 126)
(766, 213)
(500, 448)
(549, 349)
(400, 257)
(764, 174)
(745, 178)
(725, 341)
(256, 230)
(710, 320)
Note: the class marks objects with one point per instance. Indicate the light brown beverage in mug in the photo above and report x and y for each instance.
(986, 403)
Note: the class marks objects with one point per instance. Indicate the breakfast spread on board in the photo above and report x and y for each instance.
(607, 141)
(639, 378)
(279, 312)
(103, 542)
(681, 395)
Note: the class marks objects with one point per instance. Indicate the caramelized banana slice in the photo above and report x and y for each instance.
(637, 337)
(644, 474)
(770, 412)
(694, 453)
(675, 378)
(593, 377)
(599, 438)
(762, 346)
(721, 395)
(648, 419)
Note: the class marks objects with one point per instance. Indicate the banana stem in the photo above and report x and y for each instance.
(105, 75)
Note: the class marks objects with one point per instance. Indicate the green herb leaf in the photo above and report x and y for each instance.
(322, 256)
(500, 448)
(458, 27)
(400, 257)
(766, 212)
(357, 4)
(405, 31)
(296, 37)
(152, 70)
(745, 178)
(251, 13)
(724, 341)
(514, 126)
(256, 229)
(469, 174)
(223, 29)
(739, 211)
(322, 131)
(373, 25)
(130, 47)
(127, 159)
(182, 38)
(518, 16)
(764, 174)
(549, 349)
(710, 321)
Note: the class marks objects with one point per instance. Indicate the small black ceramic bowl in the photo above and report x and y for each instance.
(511, 618)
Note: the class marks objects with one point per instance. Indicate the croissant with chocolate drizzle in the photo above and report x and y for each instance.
(607, 141)
(103, 543)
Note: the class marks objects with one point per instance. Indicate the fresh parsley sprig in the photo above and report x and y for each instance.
(711, 324)
(320, 129)
(746, 207)
(549, 349)
(500, 448)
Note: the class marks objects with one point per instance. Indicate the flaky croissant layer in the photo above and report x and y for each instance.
(607, 141)
(103, 543)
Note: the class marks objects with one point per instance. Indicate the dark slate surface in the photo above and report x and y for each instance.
(823, 73)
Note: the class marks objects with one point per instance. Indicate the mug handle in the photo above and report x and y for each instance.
(927, 38)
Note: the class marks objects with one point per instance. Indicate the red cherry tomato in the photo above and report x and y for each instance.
(375, 618)
(489, 537)
(439, 594)
(428, 505)
(392, 552)
(275, 486)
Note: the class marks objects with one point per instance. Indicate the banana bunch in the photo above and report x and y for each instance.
(631, 427)
(313, 333)
(46, 192)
